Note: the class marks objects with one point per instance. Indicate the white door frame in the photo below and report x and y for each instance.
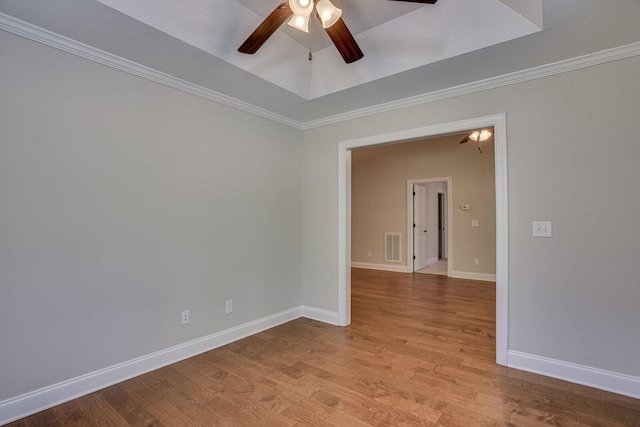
(499, 123)
(411, 220)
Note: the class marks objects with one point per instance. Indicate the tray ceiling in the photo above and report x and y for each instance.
(394, 36)
(171, 42)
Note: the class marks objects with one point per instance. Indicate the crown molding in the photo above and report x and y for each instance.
(57, 41)
(32, 32)
(547, 70)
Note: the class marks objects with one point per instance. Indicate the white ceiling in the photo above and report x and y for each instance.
(395, 36)
(185, 50)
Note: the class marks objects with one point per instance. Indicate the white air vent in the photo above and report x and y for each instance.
(392, 247)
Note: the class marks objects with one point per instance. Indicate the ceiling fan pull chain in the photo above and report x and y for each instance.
(310, 54)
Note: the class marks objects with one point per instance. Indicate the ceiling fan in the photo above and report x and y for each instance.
(479, 136)
(299, 12)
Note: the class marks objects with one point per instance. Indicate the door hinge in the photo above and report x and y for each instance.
(414, 257)
(414, 193)
(414, 226)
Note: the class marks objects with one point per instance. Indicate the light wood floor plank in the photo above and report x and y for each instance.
(420, 351)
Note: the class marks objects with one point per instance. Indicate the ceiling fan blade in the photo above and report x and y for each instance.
(270, 24)
(344, 41)
(465, 139)
(420, 1)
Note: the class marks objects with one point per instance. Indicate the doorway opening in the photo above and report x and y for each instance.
(442, 232)
(429, 228)
(498, 122)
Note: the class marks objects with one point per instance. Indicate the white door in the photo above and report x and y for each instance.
(419, 227)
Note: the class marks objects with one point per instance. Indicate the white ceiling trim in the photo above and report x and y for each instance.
(547, 70)
(66, 44)
(49, 38)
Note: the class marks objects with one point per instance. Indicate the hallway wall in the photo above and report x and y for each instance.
(379, 198)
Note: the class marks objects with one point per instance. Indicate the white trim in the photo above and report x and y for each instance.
(431, 261)
(29, 403)
(344, 235)
(499, 123)
(614, 382)
(320, 315)
(502, 239)
(46, 37)
(584, 61)
(32, 32)
(473, 276)
(410, 220)
(381, 267)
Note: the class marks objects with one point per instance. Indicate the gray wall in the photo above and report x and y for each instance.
(124, 202)
(573, 159)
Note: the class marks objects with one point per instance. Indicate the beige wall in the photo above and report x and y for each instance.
(379, 198)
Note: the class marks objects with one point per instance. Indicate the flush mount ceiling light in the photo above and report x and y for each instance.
(298, 12)
(479, 136)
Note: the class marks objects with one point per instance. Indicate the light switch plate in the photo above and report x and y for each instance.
(542, 229)
(475, 223)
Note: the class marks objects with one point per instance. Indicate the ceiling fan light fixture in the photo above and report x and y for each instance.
(300, 23)
(480, 135)
(329, 14)
(301, 7)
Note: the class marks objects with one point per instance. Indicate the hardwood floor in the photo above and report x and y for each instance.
(439, 267)
(420, 351)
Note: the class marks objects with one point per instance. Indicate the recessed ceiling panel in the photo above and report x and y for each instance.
(394, 36)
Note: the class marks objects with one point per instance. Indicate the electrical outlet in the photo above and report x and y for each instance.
(476, 261)
(369, 254)
(228, 306)
(542, 229)
(185, 317)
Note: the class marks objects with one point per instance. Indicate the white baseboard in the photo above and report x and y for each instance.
(473, 276)
(21, 406)
(614, 382)
(432, 260)
(320, 315)
(400, 268)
